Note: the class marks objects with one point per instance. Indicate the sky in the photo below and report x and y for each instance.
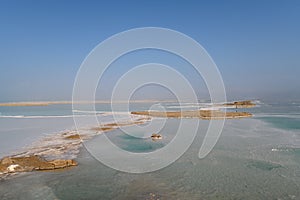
(255, 44)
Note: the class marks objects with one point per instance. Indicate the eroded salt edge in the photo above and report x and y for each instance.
(58, 146)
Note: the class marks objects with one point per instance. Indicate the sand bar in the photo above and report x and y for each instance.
(201, 114)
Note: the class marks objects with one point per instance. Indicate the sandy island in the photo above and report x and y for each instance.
(206, 113)
(202, 114)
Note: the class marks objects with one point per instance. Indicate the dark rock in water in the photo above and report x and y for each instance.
(156, 136)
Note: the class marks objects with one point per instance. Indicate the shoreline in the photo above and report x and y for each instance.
(47, 103)
(57, 151)
(237, 104)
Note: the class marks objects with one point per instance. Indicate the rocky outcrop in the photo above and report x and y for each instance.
(156, 136)
(32, 163)
(240, 104)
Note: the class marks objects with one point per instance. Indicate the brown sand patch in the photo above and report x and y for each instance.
(202, 114)
(73, 137)
(102, 129)
(112, 126)
(32, 163)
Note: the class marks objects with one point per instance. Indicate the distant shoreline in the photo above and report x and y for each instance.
(47, 103)
(238, 104)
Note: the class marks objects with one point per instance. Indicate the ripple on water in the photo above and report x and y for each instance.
(263, 165)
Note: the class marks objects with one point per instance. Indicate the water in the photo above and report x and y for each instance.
(255, 158)
(21, 126)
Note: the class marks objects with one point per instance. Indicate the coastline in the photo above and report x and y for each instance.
(57, 151)
(47, 103)
(235, 104)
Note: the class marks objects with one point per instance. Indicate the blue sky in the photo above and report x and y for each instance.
(255, 44)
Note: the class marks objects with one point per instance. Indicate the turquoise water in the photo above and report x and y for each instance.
(257, 158)
(287, 123)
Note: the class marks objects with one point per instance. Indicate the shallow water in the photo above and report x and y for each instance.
(255, 158)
